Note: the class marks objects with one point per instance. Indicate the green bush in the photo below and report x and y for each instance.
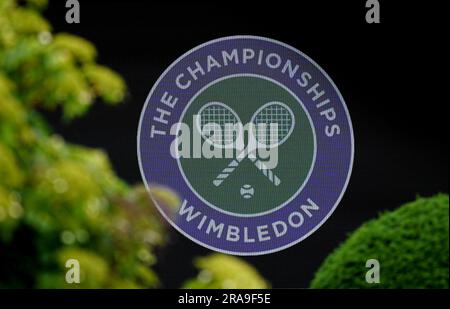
(60, 201)
(410, 243)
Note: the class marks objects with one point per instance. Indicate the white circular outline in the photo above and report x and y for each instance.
(311, 168)
(352, 140)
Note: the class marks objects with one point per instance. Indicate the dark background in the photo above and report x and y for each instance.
(388, 74)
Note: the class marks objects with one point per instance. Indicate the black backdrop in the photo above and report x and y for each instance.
(388, 74)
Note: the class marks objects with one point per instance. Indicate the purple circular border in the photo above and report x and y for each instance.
(334, 159)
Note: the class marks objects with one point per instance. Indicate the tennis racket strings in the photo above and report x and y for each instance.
(216, 115)
(217, 124)
(274, 123)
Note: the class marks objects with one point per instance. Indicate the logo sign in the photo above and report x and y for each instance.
(254, 138)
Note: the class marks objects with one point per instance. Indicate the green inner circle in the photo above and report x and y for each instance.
(245, 95)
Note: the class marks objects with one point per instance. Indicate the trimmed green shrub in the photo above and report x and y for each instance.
(410, 243)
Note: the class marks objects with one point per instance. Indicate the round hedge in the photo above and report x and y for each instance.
(410, 243)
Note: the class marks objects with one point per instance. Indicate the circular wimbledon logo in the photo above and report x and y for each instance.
(254, 138)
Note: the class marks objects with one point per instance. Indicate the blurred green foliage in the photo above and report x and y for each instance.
(218, 271)
(410, 243)
(57, 200)
(60, 201)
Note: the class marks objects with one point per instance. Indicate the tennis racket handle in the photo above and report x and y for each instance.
(226, 172)
(267, 172)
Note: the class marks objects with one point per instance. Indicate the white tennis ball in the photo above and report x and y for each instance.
(247, 191)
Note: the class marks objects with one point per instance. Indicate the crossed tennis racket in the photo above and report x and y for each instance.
(219, 114)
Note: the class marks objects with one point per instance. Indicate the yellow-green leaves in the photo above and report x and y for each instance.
(27, 21)
(52, 71)
(106, 83)
(219, 271)
(10, 174)
(37, 4)
(80, 49)
(10, 109)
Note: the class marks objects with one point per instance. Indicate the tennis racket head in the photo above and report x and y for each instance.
(273, 113)
(214, 116)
